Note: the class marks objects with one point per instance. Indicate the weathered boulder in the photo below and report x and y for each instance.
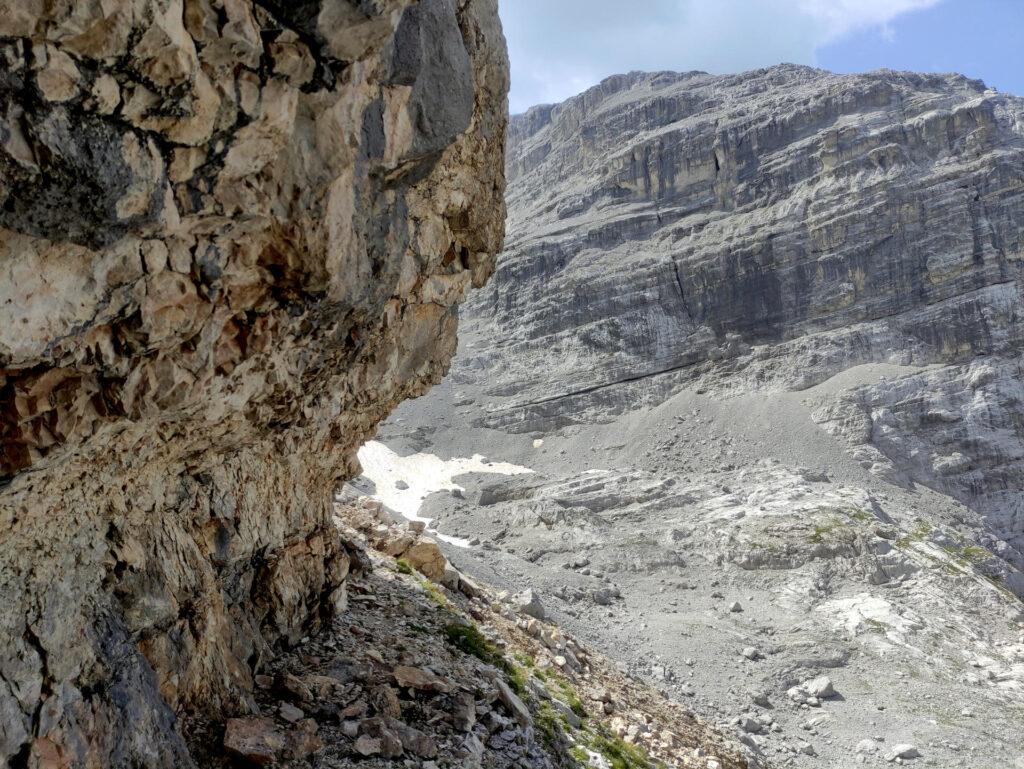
(233, 236)
(426, 557)
(528, 602)
(255, 739)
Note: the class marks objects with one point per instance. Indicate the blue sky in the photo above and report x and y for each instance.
(560, 47)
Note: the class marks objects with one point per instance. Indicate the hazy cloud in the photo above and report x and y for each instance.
(560, 47)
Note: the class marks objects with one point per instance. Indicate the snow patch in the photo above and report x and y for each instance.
(402, 483)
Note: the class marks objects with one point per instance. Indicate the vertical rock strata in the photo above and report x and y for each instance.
(233, 235)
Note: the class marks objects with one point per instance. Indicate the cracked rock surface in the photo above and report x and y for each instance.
(233, 234)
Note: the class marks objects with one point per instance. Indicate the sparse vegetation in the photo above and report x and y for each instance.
(974, 553)
(874, 626)
(516, 676)
(861, 515)
(524, 659)
(620, 754)
(572, 699)
(434, 593)
(402, 566)
(469, 640)
(551, 725)
(579, 754)
(920, 532)
(823, 531)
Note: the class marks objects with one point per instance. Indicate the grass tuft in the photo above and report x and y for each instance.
(434, 593)
(620, 754)
(552, 726)
(469, 640)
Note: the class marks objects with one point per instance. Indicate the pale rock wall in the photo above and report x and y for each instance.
(233, 235)
(765, 229)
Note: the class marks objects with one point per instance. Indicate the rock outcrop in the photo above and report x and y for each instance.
(234, 234)
(769, 230)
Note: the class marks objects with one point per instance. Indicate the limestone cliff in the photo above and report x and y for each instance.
(234, 233)
(726, 227)
(758, 337)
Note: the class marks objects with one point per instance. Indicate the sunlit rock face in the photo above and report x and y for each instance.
(769, 229)
(233, 236)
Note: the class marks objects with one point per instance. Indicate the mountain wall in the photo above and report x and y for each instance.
(753, 352)
(694, 225)
(232, 237)
(769, 230)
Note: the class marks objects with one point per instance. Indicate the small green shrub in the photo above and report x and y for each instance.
(975, 554)
(469, 640)
(579, 754)
(551, 725)
(620, 754)
(434, 593)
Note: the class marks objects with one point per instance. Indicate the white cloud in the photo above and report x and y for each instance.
(842, 17)
(560, 47)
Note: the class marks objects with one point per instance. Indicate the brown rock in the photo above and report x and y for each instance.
(231, 245)
(354, 710)
(385, 701)
(292, 687)
(254, 738)
(422, 680)
(396, 546)
(413, 740)
(426, 557)
(321, 687)
(304, 740)
(396, 737)
(367, 745)
(464, 712)
(387, 742)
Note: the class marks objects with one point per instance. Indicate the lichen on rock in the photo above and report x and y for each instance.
(233, 235)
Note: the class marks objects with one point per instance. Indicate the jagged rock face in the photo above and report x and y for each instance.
(758, 338)
(770, 228)
(234, 235)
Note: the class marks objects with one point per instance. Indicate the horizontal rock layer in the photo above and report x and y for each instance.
(232, 237)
